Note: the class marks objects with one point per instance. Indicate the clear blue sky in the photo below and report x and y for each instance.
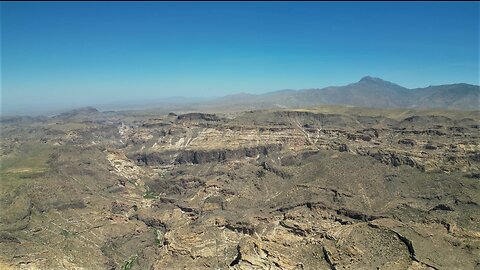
(88, 53)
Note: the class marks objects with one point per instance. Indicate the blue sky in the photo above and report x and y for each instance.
(84, 53)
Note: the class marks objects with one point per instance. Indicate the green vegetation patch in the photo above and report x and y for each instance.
(150, 195)
(132, 181)
(127, 265)
(158, 237)
(30, 162)
(65, 233)
(31, 157)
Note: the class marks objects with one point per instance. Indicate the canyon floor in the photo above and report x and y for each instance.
(319, 188)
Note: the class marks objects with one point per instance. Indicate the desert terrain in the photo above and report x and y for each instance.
(330, 187)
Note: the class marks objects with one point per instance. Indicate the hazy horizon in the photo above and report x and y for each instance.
(45, 109)
(65, 55)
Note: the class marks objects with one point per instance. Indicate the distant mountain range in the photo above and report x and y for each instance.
(368, 92)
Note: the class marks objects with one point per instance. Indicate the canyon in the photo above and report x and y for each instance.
(331, 187)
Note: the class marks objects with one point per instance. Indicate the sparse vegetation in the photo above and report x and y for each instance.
(150, 195)
(207, 191)
(195, 159)
(129, 263)
(65, 233)
(158, 237)
(132, 181)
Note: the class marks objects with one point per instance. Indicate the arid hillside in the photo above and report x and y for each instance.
(320, 188)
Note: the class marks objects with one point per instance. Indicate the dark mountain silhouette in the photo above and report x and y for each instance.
(368, 92)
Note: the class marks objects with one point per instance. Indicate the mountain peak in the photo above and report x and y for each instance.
(374, 81)
(371, 79)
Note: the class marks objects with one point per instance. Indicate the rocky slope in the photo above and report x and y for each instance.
(346, 188)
